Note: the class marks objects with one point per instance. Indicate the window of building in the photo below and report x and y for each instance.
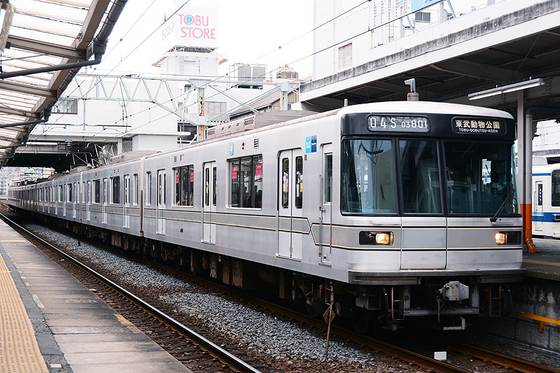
(422, 17)
(345, 57)
(246, 188)
(66, 106)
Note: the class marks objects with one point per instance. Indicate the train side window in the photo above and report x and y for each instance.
(246, 187)
(299, 182)
(184, 186)
(97, 191)
(556, 188)
(115, 190)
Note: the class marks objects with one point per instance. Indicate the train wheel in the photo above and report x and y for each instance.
(311, 311)
(363, 321)
(507, 301)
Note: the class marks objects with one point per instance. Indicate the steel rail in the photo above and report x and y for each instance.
(231, 360)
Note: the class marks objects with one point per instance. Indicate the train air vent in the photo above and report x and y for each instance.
(255, 143)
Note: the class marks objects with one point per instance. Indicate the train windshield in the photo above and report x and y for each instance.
(480, 178)
(368, 177)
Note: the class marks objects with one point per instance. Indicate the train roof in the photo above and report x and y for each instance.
(418, 107)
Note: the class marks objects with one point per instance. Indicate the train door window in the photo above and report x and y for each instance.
(116, 190)
(105, 191)
(258, 180)
(299, 183)
(214, 185)
(88, 192)
(60, 193)
(206, 187)
(420, 177)
(162, 180)
(136, 189)
(148, 188)
(285, 182)
(555, 188)
(97, 191)
(127, 190)
(69, 192)
(328, 178)
(539, 194)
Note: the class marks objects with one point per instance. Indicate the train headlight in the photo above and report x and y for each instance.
(501, 238)
(509, 237)
(383, 238)
(376, 238)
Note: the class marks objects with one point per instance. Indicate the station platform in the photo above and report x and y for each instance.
(49, 322)
(545, 262)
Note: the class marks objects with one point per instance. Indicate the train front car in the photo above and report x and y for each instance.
(428, 212)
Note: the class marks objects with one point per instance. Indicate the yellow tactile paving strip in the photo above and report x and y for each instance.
(19, 352)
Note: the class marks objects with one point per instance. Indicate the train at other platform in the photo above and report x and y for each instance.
(386, 211)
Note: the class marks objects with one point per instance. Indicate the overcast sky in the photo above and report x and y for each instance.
(250, 31)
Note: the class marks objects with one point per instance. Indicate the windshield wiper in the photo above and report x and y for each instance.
(503, 205)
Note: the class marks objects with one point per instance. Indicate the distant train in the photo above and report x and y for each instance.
(389, 210)
(546, 200)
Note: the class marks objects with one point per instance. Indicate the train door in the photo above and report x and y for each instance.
(424, 228)
(290, 221)
(105, 200)
(538, 213)
(126, 204)
(325, 239)
(209, 202)
(74, 191)
(161, 201)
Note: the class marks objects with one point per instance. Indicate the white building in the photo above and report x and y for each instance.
(163, 112)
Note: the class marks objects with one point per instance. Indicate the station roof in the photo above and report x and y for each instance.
(43, 45)
(461, 58)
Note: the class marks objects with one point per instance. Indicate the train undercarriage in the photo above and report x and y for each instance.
(447, 301)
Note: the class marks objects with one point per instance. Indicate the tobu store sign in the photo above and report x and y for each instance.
(191, 27)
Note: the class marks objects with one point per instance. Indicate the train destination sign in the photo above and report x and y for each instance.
(396, 123)
(480, 126)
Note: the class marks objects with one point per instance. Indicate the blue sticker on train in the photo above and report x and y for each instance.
(311, 144)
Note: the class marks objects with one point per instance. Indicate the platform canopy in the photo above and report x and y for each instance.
(43, 44)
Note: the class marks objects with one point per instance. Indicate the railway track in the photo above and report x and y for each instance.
(195, 351)
(463, 359)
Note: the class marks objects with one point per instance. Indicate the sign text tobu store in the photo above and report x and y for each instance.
(191, 27)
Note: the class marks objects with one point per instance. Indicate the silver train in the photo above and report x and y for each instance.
(386, 211)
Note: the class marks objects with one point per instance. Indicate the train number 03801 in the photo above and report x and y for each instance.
(398, 123)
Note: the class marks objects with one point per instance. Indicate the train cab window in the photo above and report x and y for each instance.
(184, 186)
(368, 177)
(480, 178)
(555, 187)
(420, 177)
(97, 191)
(116, 190)
(246, 186)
